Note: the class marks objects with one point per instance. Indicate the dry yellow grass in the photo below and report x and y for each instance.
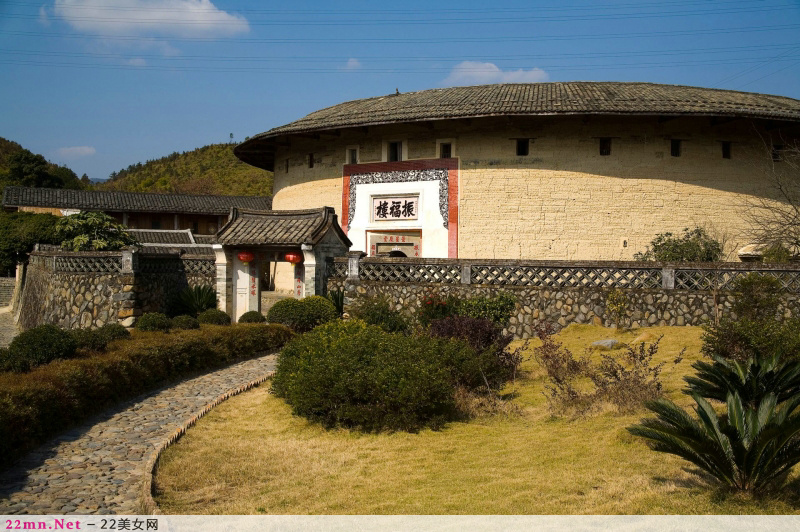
(251, 456)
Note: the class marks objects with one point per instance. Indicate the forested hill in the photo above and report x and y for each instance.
(22, 167)
(211, 169)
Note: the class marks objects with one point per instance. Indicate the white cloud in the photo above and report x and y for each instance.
(76, 151)
(44, 19)
(163, 18)
(137, 61)
(477, 73)
(352, 64)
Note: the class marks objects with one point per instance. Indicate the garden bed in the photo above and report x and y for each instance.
(251, 456)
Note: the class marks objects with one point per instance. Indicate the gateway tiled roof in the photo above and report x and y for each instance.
(113, 201)
(279, 228)
(523, 99)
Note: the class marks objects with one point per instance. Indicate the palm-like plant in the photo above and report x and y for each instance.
(751, 447)
(751, 379)
(194, 300)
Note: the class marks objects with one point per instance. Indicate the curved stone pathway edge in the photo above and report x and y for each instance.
(148, 505)
(106, 465)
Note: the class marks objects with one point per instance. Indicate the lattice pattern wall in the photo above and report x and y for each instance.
(105, 264)
(560, 275)
(566, 277)
(408, 273)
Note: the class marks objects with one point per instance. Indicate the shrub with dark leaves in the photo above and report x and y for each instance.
(489, 364)
(89, 339)
(113, 331)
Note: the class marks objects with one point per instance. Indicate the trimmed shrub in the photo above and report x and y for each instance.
(378, 311)
(214, 316)
(488, 364)
(302, 314)
(356, 375)
(89, 339)
(497, 308)
(153, 321)
(5, 359)
(113, 331)
(193, 300)
(50, 399)
(252, 316)
(185, 322)
(285, 312)
(39, 345)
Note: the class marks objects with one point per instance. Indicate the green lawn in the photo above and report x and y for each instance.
(251, 456)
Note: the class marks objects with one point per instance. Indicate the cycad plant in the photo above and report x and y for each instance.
(751, 379)
(191, 301)
(753, 442)
(749, 447)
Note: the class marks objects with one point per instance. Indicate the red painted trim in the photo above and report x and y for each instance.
(452, 166)
(345, 200)
(452, 213)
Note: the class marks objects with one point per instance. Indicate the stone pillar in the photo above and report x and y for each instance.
(125, 300)
(668, 278)
(311, 277)
(224, 278)
(353, 259)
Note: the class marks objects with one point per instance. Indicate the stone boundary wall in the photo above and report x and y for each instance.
(6, 290)
(648, 304)
(91, 289)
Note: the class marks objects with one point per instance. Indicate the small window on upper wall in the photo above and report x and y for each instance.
(395, 151)
(445, 150)
(726, 149)
(777, 156)
(155, 224)
(675, 147)
(311, 160)
(352, 155)
(605, 146)
(523, 147)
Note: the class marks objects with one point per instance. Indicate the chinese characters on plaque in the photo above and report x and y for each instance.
(395, 208)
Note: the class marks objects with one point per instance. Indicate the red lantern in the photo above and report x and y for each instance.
(294, 257)
(246, 256)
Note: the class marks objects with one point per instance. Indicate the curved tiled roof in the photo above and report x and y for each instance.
(113, 201)
(530, 99)
(279, 228)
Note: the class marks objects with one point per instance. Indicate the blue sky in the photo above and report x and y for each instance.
(101, 84)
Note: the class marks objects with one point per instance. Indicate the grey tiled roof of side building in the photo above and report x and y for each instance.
(114, 201)
(279, 228)
(581, 97)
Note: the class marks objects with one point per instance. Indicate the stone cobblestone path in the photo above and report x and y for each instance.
(8, 330)
(101, 467)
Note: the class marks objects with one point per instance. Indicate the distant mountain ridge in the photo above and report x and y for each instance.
(212, 169)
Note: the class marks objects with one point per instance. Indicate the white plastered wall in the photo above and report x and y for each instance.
(430, 221)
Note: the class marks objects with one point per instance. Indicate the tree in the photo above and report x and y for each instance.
(775, 221)
(19, 231)
(693, 246)
(29, 169)
(89, 231)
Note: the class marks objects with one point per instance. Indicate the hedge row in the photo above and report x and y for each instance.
(38, 405)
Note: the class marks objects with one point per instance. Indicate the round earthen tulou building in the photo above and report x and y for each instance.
(583, 170)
